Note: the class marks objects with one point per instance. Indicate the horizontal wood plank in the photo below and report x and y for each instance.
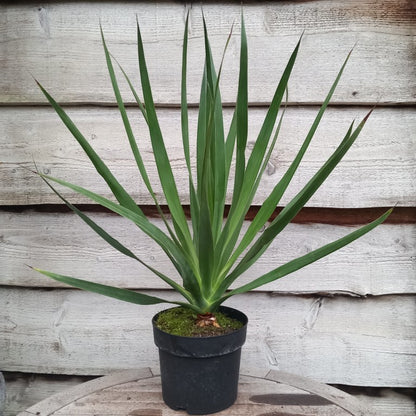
(382, 262)
(59, 43)
(24, 390)
(341, 340)
(378, 171)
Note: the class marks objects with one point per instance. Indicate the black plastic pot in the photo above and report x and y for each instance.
(200, 374)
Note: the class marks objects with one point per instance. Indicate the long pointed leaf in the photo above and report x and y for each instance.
(119, 246)
(110, 291)
(204, 238)
(230, 144)
(271, 202)
(239, 208)
(309, 258)
(213, 183)
(213, 180)
(242, 115)
(182, 264)
(127, 126)
(184, 102)
(162, 161)
(291, 209)
(219, 152)
(118, 191)
(226, 261)
(132, 89)
(194, 203)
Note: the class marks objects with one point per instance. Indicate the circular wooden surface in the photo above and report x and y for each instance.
(137, 393)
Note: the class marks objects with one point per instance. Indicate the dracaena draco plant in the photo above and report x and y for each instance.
(210, 251)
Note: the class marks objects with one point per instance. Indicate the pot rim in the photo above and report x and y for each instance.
(242, 315)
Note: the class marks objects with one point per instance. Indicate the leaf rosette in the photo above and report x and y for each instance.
(209, 251)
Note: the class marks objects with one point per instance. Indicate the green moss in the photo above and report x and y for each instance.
(182, 321)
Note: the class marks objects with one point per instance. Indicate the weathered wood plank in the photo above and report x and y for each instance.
(394, 402)
(341, 340)
(24, 390)
(383, 262)
(65, 399)
(321, 390)
(120, 394)
(379, 170)
(60, 44)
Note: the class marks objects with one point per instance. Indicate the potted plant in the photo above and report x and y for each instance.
(209, 249)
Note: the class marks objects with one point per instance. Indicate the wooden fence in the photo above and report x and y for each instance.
(348, 319)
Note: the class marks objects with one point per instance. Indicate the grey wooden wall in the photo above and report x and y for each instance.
(348, 319)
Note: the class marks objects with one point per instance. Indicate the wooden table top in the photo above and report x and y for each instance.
(261, 393)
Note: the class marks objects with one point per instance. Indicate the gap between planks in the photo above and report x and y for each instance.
(335, 216)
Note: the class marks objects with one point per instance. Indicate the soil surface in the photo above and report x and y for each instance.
(184, 322)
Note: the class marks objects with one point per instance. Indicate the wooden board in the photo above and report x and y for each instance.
(394, 402)
(137, 392)
(59, 43)
(25, 390)
(380, 263)
(378, 171)
(347, 341)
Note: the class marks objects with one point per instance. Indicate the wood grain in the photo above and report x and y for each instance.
(378, 171)
(124, 393)
(383, 262)
(24, 390)
(348, 341)
(59, 43)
